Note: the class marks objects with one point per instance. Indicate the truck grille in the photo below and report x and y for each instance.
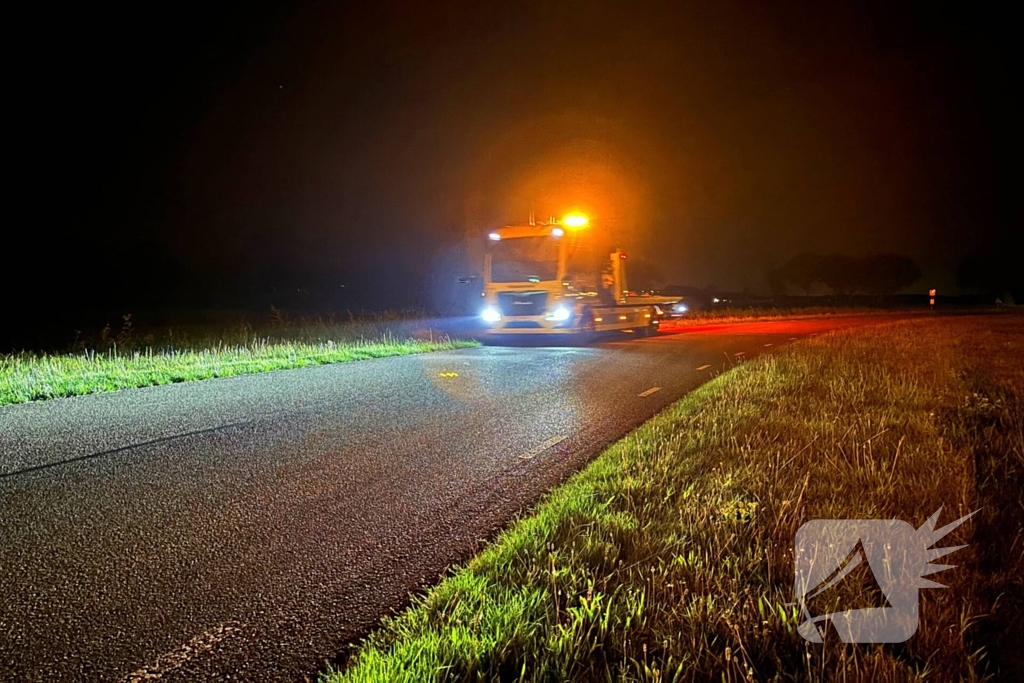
(522, 303)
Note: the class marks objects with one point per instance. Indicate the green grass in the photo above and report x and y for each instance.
(669, 558)
(129, 360)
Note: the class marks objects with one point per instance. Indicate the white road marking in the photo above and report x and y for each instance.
(740, 353)
(767, 345)
(534, 452)
(199, 645)
(645, 394)
(703, 367)
(792, 339)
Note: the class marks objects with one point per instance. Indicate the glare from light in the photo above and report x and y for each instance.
(490, 315)
(575, 220)
(557, 232)
(494, 237)
(681, 308)
(559, 314)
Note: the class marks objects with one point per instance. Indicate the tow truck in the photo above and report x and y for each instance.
(556, 278)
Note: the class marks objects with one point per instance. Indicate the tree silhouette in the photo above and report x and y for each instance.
(889, 273)
(802, 271)
(842, 274)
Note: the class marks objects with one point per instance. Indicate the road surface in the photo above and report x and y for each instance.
(249, 528)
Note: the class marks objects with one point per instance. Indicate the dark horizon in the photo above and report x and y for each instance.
(201, 159)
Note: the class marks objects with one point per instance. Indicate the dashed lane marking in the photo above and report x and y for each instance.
(740, 353)
(199, 645)
(534, 452)
(645, 394)
(767, 345)
(703, 367)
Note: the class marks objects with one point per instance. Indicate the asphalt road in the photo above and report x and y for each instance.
(250, 528)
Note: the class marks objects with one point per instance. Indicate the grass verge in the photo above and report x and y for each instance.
(670, 557)
(33, 377)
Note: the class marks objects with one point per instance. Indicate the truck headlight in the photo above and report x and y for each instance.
(490, 314)
(559, 314)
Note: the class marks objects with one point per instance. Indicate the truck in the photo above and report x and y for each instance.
(559, 277)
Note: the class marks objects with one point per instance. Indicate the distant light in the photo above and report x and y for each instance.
(598, 319)
(681, 308)
(576, 220)
(621, 255)
(622, 317)
(716, 300)
(494, 236)
(557, 232)
(490, 315)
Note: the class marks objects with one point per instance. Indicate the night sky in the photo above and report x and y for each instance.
(179, 156)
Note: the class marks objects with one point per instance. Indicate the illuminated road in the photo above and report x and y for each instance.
(249, 528)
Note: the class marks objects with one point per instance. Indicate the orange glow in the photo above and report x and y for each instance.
(575, 220)
(553, 164)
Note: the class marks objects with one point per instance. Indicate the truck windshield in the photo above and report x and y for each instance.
(524, 259)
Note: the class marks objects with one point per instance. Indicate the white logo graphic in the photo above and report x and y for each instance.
(897, 556)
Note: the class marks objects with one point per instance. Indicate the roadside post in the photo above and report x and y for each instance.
(931, 298)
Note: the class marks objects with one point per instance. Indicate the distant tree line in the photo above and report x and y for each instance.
(879, 274)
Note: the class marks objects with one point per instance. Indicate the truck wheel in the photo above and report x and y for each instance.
(587, 330)
(648, 330)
